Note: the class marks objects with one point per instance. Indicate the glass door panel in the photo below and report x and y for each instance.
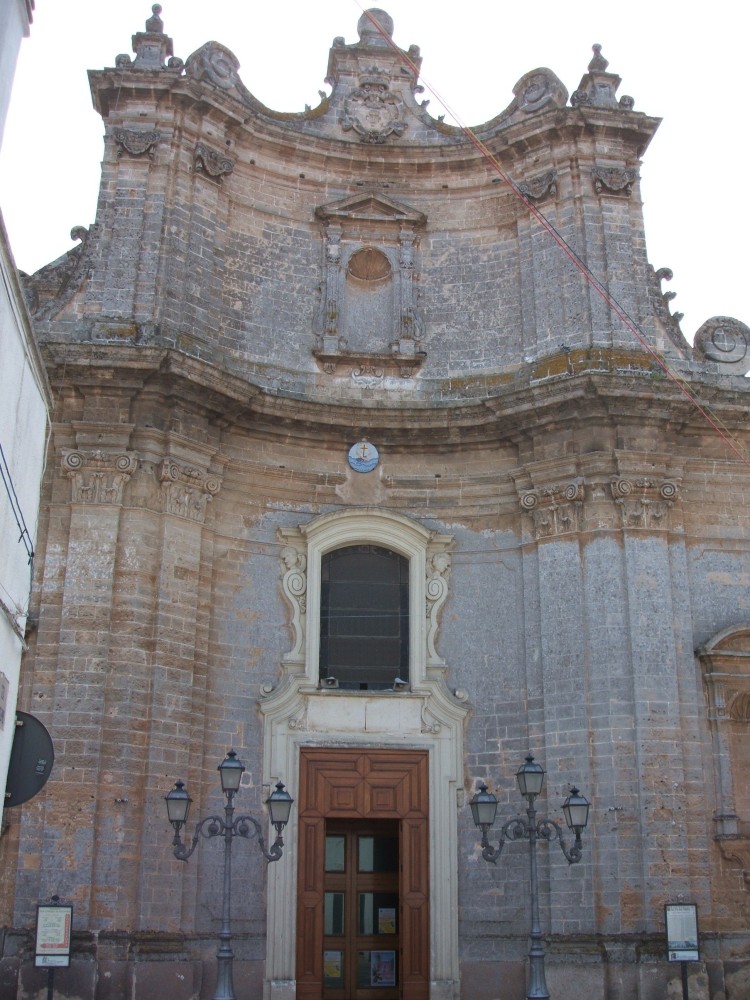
(361, 911)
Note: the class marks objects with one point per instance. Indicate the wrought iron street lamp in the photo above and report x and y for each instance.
(530, 778)
(279, 805)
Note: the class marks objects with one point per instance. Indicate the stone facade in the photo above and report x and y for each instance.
(259, 293)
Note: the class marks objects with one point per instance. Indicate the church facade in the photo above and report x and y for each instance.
(379, 457)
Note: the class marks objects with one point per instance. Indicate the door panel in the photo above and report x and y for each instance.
(361, 907)
(369, 953)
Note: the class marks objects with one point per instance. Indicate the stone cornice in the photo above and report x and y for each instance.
(597, 387)
(251, 123)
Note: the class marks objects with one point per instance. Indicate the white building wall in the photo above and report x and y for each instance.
(24, 405)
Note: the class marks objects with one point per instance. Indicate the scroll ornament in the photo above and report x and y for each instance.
(99, 477)
(186, 490)
(725, 341)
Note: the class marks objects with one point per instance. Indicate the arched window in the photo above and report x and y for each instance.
(366, 580)
(364, 617)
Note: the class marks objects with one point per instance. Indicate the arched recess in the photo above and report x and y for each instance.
(301, 716)
(725, 660)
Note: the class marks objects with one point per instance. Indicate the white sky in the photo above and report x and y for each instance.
(687, 68)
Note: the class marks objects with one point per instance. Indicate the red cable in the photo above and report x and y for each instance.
(564, 246)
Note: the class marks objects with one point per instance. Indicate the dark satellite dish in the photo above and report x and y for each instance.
(31, 760)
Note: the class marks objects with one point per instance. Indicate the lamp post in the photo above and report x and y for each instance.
(279, 804)
(530, 778)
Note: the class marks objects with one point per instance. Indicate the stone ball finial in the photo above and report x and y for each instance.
(155, 23)
(369, 33)
(598, 64)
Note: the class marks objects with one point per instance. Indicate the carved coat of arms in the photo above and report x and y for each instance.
(372, 111)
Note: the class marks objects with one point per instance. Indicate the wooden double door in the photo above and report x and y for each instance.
(363, 902)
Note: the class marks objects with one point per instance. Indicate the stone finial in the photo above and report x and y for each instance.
(598, 88)
(152, 47)
(598, 64)
(371, 33)
(155, 24)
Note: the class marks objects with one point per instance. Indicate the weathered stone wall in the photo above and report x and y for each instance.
(206, 401)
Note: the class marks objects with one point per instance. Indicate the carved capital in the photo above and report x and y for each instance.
(211, 162)
(99, 477)
(644, 502)
(186, 490)
(136, 141)
(555, 510)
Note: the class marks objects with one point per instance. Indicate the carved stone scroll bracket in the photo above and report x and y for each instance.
(186, 490)
(211, 162)
(555, 510)
(660, 300)
(613, 180)
(725, 341)
(53, 286)
(294, 585)
(537, 91)
(136, 142)
(217, 66)
(644, 502)
(436, 592)
(99, 477)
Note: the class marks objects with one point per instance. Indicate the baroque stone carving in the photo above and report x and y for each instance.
(186, 490)
(724, 340)
(616, 180)
(217, 65)
(644, 502)
(539, 187)
(136, 141)
(555, 510)
(372, 111)
(660, 303)
(53, 286)
(294, 584)
(211, 162)
(436, 591)
(598, 88)
(537, 90)
(99, 477)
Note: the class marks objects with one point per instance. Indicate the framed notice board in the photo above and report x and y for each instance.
(681, 921)
(53, 932)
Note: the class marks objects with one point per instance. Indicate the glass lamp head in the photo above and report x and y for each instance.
(231, 770)
(483, 808)
(530, 778)
(178, 805)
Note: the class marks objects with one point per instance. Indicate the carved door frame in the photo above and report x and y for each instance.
(365, 784)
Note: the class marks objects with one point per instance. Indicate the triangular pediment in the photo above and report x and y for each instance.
(370, 207)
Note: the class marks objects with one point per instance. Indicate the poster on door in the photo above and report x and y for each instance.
(382, 968)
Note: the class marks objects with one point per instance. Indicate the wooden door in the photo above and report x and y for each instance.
(348, 798)
(361, 911)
